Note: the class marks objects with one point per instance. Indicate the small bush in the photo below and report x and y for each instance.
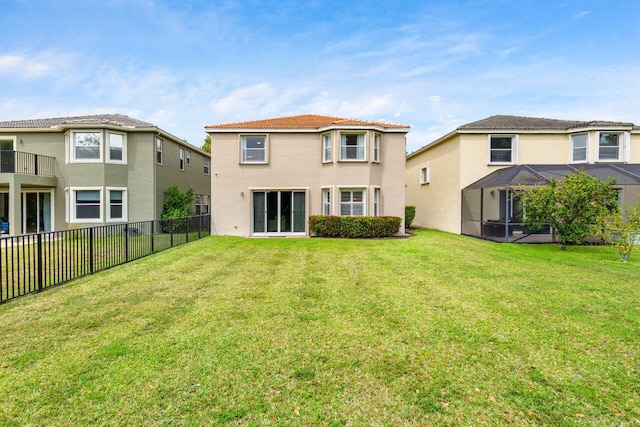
(354, 226)
(409, 215)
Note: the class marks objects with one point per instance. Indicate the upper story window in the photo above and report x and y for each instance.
(206, 167)
(159, 144)
(87, 146)
(376, 147)
(7, 143)
(181, 158)
(503, 149)
(352, 146)
(188, 157)
(579, 147)
(327, 155)
(424, 175)
(254, 149)
(116, 152)
(610, 146)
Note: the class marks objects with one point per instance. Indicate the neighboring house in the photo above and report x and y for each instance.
(70, 172)
(269, 176)
(463, 182)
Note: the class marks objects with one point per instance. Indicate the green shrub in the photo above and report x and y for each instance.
(409, 215)
(354, 226)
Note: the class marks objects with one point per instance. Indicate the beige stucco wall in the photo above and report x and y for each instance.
(462, 159)
(635, 147)
(295, 163)
(437, 205)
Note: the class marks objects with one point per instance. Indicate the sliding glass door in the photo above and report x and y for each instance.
(36, 212)
(276, 212)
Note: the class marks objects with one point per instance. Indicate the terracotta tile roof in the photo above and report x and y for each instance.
(513, 123)
(100, 119)
(305, 121)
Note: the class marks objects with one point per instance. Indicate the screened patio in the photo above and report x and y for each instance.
(491, 207)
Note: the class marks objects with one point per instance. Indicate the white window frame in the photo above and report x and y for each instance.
(377, 206)
(206, 167)
(425, 175)
(124, 147)
(243, 140)
(188, 157)
(205, 203)
(513, 149)
(327, 148)
(623, 146)
(159, 144)
(198, 204)
(377, 138)
(72, 144)
(326, 201)
(12, 138)
(67, 213)
(181, 151)
(52, 205)
(72, 205)
(351, 190)
(343, 147)
(572, 149)
(124, 204)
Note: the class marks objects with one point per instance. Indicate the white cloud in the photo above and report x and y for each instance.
(22, 67)
(435, 99)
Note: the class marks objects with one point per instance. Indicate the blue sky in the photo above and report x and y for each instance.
(433, 65)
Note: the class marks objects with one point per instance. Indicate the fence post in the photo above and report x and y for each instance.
(91, 249)
(35, 164)
(126, 243)
(200, 226)
(186, 229)
(152, 232)
(171, 229)
(39, 285)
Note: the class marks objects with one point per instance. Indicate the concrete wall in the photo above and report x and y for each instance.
(295, 162)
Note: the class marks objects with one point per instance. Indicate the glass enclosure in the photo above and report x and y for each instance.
(491, 207)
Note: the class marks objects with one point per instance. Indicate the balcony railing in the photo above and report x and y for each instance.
(27, 163)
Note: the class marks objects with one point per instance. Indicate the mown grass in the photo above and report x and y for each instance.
(436, 329)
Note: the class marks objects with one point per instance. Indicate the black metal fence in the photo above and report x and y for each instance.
(27, 163)
(34, 262)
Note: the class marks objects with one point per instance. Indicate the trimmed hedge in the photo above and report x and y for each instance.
(354, 226)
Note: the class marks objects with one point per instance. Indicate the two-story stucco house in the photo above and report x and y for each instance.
(68, 172)
(466, 181)
(268, 176)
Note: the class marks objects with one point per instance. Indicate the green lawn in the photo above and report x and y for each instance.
(435, 329)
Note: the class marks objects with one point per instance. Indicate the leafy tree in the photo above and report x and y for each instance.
(206, 144)
(622, 234)
(575, 206)
(177, 204)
